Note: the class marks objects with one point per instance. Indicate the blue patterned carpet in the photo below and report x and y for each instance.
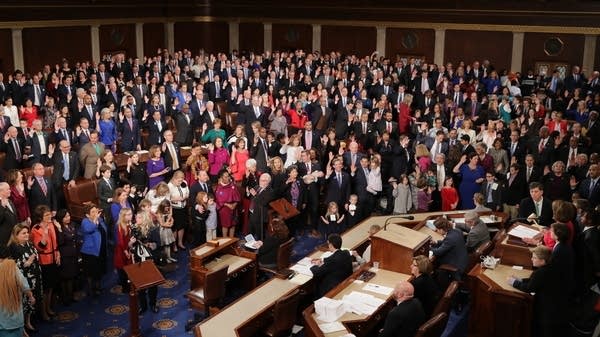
(108, 314)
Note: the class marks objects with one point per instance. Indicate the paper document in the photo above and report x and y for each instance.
(331, 327)
(361, 303)
(301, 269)
(429, 224)
(383, 290)
(306, 261)
(523, 232)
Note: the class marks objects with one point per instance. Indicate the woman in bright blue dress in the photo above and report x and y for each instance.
(472, 175)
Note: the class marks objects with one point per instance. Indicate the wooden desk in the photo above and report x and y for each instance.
(497, 309)
(395, 247)
(246, 313)
(206, 258)
(359, 325)
(513, 254)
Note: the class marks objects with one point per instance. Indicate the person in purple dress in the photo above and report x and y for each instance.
(155, 167)
(472, 176)
(217, 158)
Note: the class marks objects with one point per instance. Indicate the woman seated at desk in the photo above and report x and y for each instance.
(269, 248)
(550, 304)
(426, 290)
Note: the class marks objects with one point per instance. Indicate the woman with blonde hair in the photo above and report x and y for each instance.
(180, 193)
(332, 221)
(404, 113)
(467, 129)
(122, 255)
(423, 157)
(157, 195)
(26, 257)
(292, 149)
(13, 286)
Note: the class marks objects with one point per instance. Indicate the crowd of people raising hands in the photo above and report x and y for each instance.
(338, 136)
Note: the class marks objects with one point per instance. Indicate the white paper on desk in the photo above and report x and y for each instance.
(326, 255)
(486, 219)
(523, 232)
(306, 261)
(329, 310)
(301, 269)
(383, 290)
(331, 327)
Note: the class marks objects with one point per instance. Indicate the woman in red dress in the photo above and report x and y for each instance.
(404, 114)
(227, 198)
(449, 195)
(18, 195)
(29, 112)
(122, 255)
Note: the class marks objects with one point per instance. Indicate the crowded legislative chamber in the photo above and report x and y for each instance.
(313, 169)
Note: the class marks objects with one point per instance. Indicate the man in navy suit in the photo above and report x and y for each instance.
(129, 128)
(331, 271)
(156, 126)
(452, 249)
(590, 188)
(309, 138)
(14, 148)
(197, 107)
(536, 205)
(36, 92)
(66, 170)
(40, 189)
(62, 132)
(66, 91)
(352, 157)
(39, 143)
(338, 184)
(406, 317)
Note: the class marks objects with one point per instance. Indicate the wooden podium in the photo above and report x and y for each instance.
(142, 275)
(284, 208)
(395, 247)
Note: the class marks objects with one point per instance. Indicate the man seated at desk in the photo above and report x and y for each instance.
(332, 270)
(477, 230)
(550, 305)
(451, 250)
(366, 256)
(406, 317)
(536, 205)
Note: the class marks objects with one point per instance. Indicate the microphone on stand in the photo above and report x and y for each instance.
(406, 217)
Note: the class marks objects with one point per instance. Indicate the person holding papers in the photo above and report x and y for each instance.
(451, 250)
(405, 318)
(536, 206)
(332, 270)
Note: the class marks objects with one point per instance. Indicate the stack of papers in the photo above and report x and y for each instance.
(331, 327)
(383, 290)
(523, 232)
(303, 267)
(361, 303)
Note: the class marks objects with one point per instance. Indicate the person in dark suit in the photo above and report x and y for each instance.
(322, 116)
(515, 148)
(352, 157)
(62, 132)
(308, 137)
(8, 214)
(170, 154)
(536, 205)
(184, 125)
(36, 92)
(40, 190)
(129, 129)
(113, 95)
(492, 192)
(531, 171)
(551, 299)
(426, 290)
(593, 131)
(106, 188)
(65, 170)
(574, 80)
(590, 188)
(451, 250)
(253, 113)
(259, 206)
(202, 184)
(39, 143)
(587, 251)
(197, 107)
(514, 190)
(259, 150)
(332, 270)
(477, 230)
(156, 127)
(338, 184)
(14, 149)
(215, 90)
(310, 170)
(406, 317)
(65, 91)
(386, 124)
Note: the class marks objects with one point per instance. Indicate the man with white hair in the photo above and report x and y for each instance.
(477, 230)
(406, 317)
(259, 205)
(8, 214)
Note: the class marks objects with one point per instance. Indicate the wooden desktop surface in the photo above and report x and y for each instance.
(234, 262)
(501, 274)
(383, 278)
(224, 323)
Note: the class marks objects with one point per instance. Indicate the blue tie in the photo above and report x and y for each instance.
(66, 167)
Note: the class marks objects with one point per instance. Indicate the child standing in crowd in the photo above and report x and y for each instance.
(164, 217)
(211, 221)
(332, 221)
(403, 195)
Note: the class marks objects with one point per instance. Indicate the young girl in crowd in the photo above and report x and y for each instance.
(423, 196)
(449, 195)
(403, 195)
(165, 220)
(199, 214)
(211, 221)
(332, 221)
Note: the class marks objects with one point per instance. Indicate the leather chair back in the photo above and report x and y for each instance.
(434, 327)
(77, 197)
(284, 253)
(214, 286)
(443, 305)
(284, 314)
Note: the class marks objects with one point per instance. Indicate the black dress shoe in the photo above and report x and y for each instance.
(142, 310)
(154, 309)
